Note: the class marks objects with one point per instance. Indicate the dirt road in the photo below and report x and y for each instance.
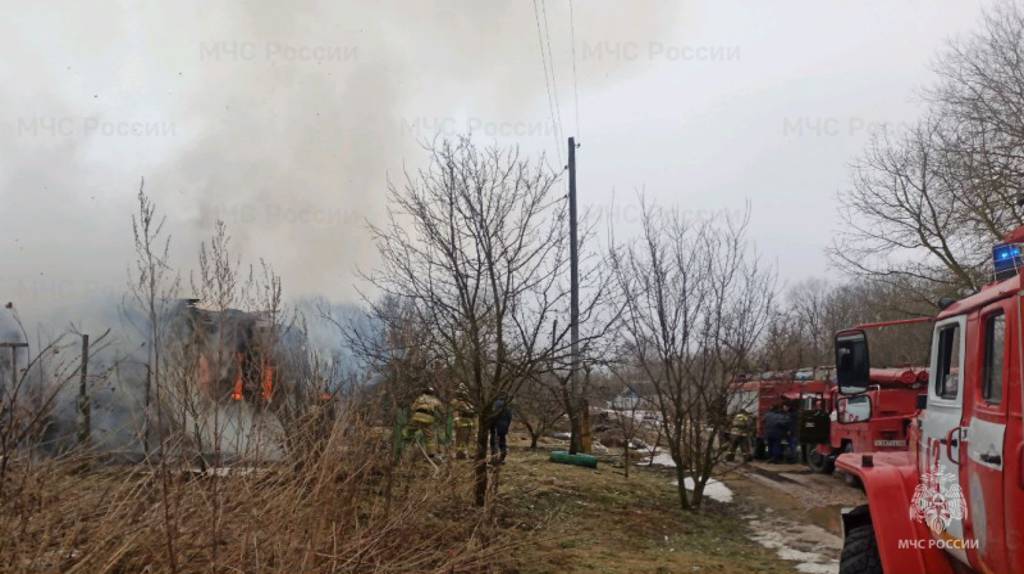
(795, 512)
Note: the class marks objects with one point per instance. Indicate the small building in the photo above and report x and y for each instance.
(625, 401)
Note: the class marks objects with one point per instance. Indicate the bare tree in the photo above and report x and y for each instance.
(628, 410)
(903, 221)
(927, 203)
(153, 287)
(801, 328)
(697, 302)
(475, 244)
(980, 95)
(539, 406)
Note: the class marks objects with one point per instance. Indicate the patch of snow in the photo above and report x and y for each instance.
(806, 544)
(638, 415)
(663, 459)
(713, 489)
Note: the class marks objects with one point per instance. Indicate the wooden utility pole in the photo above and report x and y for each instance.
(84, 407)
(574, 302)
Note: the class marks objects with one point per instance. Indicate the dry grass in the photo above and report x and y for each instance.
(341, 508)
(332, 511)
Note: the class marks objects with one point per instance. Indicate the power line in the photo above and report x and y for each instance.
(575, 84)
(547, 82)
(551, 62)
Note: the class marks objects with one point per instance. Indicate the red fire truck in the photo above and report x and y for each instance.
(878, 420)
(759, 393)
(951, 503)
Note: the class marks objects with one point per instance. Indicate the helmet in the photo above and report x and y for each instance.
(429, 390)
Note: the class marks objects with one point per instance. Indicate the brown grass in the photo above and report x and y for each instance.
(331, 510)
(340, 508)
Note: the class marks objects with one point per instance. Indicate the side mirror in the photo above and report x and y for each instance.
(853, 409)
(853, 367)
(922, 402)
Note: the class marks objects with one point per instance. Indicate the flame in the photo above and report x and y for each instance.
(237, 393)
(267, 384)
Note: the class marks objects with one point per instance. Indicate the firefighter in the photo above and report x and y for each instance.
(739, 435)
(426, 411)
(462, 419)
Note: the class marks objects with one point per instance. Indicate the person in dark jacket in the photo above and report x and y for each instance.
(776, 429)
(501, 420)
(793, 436)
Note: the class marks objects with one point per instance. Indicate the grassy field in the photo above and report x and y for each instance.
(332, 515)
(570, 519)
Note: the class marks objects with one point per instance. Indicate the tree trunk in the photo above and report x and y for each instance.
(684, 503)
(586, 440)
(575, 431)
(534, 433)
(625, 454)
(698, 492)
(480, 459)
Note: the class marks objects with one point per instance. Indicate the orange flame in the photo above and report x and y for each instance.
(237, 394)
(267, 383)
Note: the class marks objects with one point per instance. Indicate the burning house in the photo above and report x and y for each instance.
(240, 356)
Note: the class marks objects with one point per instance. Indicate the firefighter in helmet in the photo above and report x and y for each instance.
(463, 418)
(426, 411)
(739, 435)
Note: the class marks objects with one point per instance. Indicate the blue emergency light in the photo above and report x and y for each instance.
(1006, 259)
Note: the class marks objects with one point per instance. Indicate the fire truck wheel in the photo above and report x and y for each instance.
(819, 462)
(860, 552)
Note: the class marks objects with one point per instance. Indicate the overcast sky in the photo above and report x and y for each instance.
(285, 119)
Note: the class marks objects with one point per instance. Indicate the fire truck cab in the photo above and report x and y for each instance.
(877, 420)
(951, 502)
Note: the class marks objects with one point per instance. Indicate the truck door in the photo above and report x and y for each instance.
(938, 501)
(814, 421)
(986, 429)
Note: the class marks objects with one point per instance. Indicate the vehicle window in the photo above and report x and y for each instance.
(858, 409)
(995, 337)
(947, 376)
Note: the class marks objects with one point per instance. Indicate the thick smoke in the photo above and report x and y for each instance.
(282, 120)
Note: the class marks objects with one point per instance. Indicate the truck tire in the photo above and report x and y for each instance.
(818, 462)
(860, 552)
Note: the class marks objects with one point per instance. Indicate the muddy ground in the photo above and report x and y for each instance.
(797, 512)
